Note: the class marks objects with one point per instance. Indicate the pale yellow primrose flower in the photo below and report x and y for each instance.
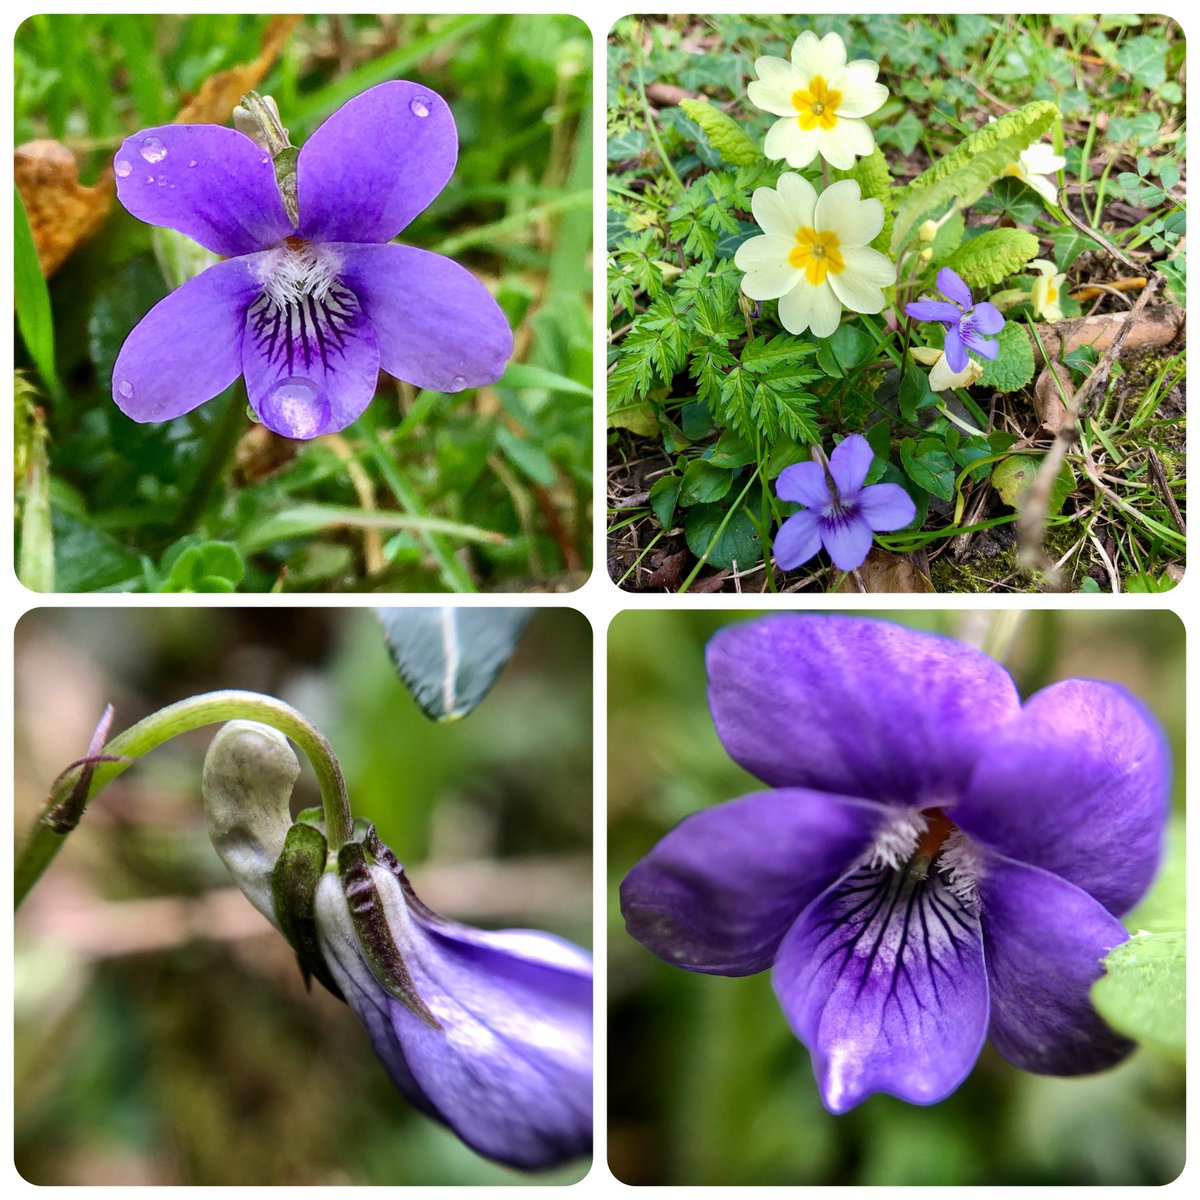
(814, 255)
(941, 378)
(1036, 164)
(821, 99)
(1047, 290)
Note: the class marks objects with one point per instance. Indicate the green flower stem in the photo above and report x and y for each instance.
(80, 783)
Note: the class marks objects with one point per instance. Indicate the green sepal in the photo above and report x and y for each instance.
(379, 949)
(285, 174)
(294, 880)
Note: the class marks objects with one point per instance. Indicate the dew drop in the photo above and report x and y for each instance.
(459, 382)
(123, 167)
(125, 388)
(419, 106)
(153, 150)
(192, 163)
(295, 408)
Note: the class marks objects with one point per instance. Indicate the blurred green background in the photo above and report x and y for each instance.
(707, 1085)
(163, 1032)
(106, 503)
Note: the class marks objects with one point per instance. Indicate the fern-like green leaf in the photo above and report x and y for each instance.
(978, 159)
(725, 135)
(984, 261)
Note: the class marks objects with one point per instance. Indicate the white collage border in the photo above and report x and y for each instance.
(599, 599)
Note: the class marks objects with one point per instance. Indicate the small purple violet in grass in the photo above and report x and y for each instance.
(488, 1032)
(307, 309)
(932, 862)
(964, 321)
(841, 514)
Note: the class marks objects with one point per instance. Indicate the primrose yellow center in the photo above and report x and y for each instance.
(1051, 293)
(816, 254)
(816, 105)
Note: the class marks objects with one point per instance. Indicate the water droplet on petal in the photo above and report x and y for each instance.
(123, 167)
(125, 388)
(192, 163)
(295, 408)
(153, 150)
(460, 382)
(419, 106)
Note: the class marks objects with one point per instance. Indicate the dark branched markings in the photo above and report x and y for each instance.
(927, 912)
(306, 329)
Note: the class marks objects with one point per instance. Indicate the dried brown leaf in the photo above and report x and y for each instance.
(62, 212)
(219, 93)
(1048, 400)
(884, 572)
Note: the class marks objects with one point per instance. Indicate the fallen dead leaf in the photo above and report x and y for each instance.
(1048, 398)
(884, 572)
(62, 212)
(666, 95)
(218, 94)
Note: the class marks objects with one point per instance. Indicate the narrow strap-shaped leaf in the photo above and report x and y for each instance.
(34, 318)
(450, 657)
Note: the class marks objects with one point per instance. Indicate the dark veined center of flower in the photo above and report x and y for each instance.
(301, 325)
(938, 828)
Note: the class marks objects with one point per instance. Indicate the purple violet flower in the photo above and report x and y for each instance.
(487, 1031)
(840, 514)
(964, 321)
(498, 1044)
(932, 862)
(307, 312)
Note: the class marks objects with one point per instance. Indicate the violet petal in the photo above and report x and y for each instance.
(933, 310)
(855, 707)
(509, 1068)
(208, 182)
(987, 318)
(951, 285)
(849, 463)
(376, 163)
(1076, 785)
(436, 325)
(1045, 939)
(956, 353)
(803, 483)
(188, 347)
(987, 348)
(797, 539)
(885, 506)
(883, 979)
(306, 377)
(720, 890)
(847, 539)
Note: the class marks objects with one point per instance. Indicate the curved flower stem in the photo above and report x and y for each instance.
(79, 783)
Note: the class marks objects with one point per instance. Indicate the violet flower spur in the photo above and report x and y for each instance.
(841, 514)
(488, 1032)
(932, 862)
(964, 321)
(307, 309)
